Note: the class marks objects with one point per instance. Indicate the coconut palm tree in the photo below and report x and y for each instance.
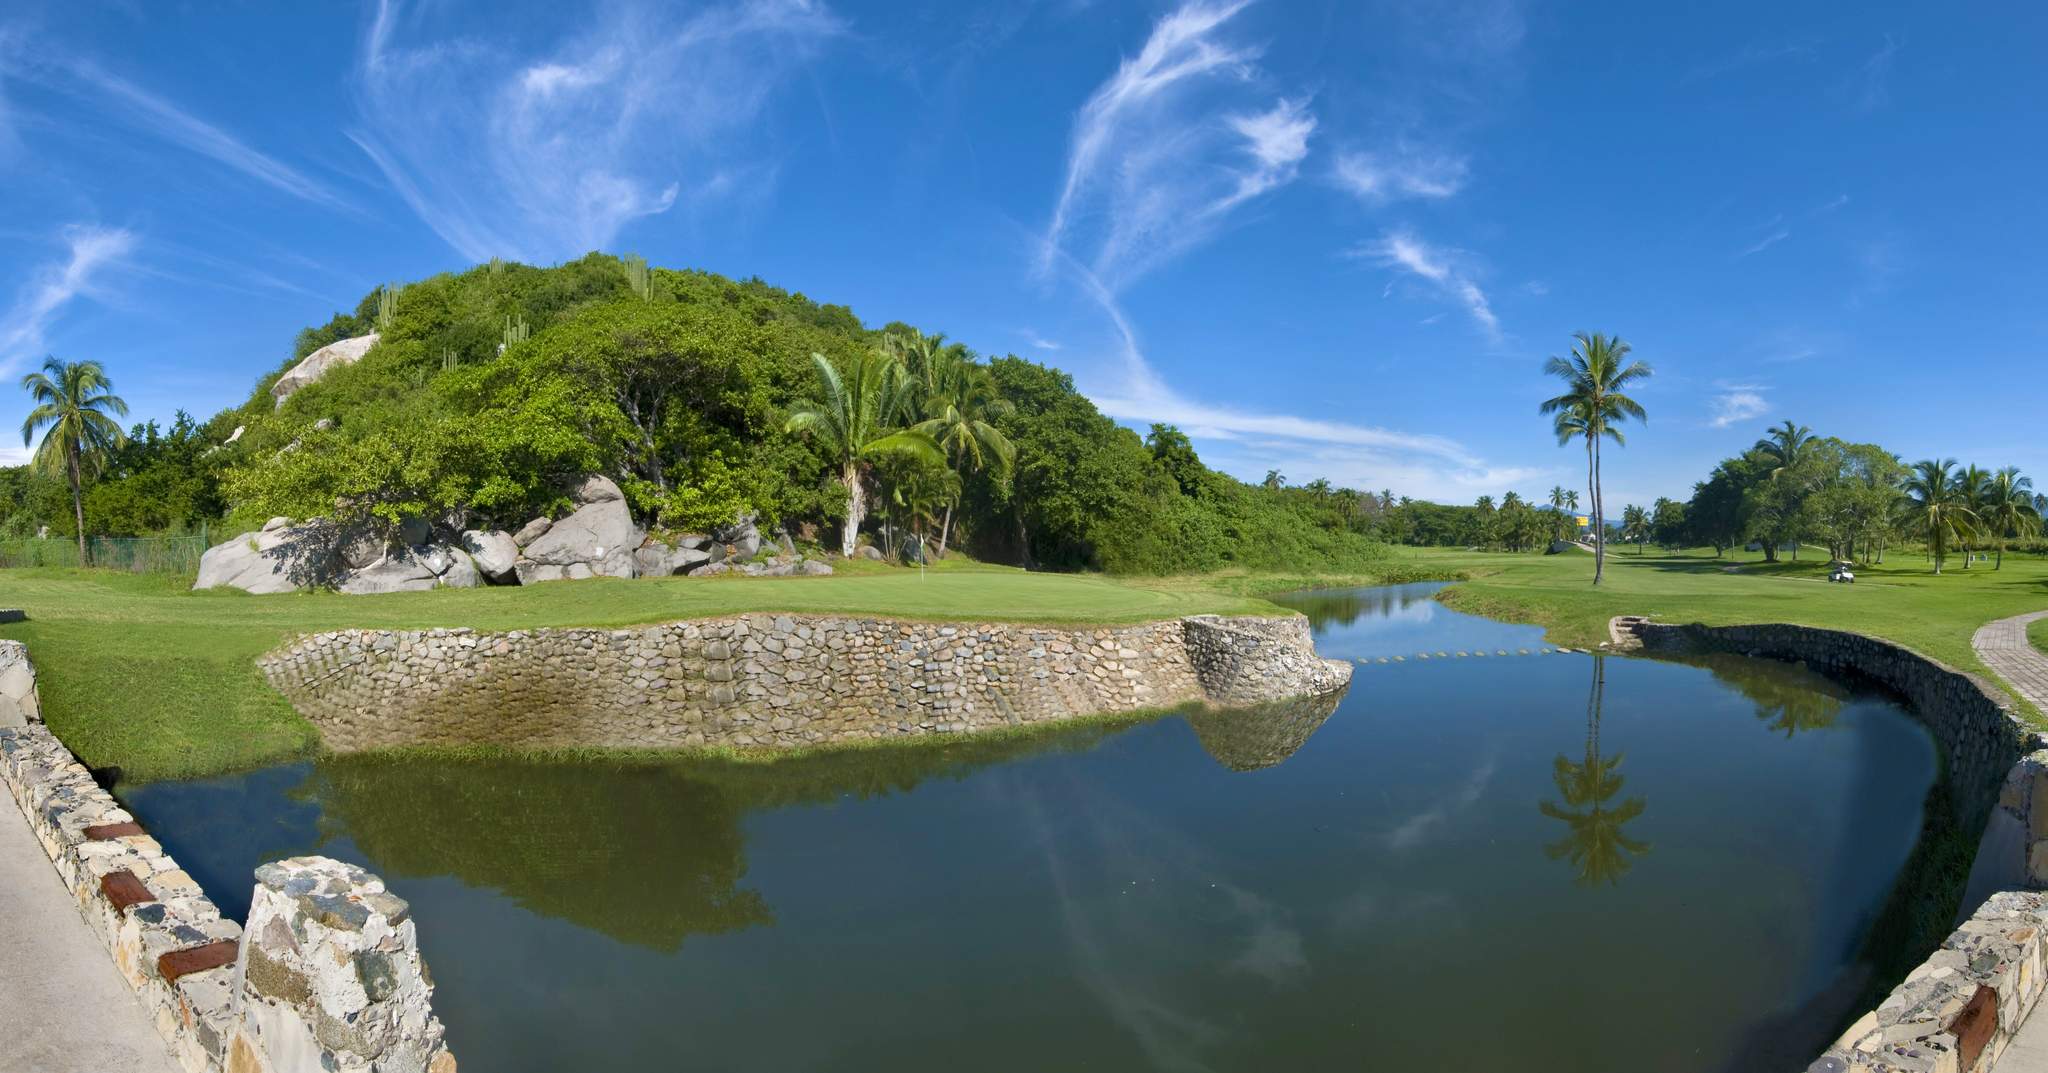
(961, 405)
(73, 399)
(1593, 403)
(851, 418)
(1594, 840)
(1635, 525)
(1976, 482)
(1938, 505)
(2006, 506)
(1557, 502)
(1786, 447)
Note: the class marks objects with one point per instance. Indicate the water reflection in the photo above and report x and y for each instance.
(1247, 739)
(1595, 844)
(1347, 607)
(1788, 697)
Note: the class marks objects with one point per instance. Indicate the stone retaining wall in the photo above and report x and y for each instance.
(774, 680)
(1956, 1012)
(329, 979)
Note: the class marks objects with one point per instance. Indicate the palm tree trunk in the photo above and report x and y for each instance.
(945, 530)
(856, 508)
(78, 505)
(1599, 519)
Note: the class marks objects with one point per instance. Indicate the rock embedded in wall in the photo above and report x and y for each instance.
(19, 704)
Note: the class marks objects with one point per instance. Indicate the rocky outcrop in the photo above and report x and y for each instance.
(413, 568)
(774, 680)
(260, 562)
(658, 559)
(319, 363)
(597, 540)
(283, 557)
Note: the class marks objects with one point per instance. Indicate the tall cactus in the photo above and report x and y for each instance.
(515, 332)
(637, 277)
(387, 307)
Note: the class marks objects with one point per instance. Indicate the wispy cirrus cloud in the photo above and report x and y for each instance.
(89, 251)
(1402, 172)
(1437, 266)
(1168, 146)
(1871, 87)
(1737, 403)
(543, 156)
(1775, 236)
(150, 114)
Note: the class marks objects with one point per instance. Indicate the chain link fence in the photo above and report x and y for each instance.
(140, 555)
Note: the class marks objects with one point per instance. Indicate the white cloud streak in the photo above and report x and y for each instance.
(545, 157)
(155, 116)
(1765, 243)
(1377, 178)
(89, 251)
(1405, 251)
(1164, 150)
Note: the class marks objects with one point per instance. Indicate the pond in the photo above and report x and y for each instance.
(1541, 862)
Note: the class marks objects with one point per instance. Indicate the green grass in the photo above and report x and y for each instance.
(139, 673)
(1901, 600)
(2037, 634)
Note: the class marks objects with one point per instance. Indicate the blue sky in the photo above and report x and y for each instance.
(1333, 238)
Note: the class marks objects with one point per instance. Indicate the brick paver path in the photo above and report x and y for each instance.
(2003, 647)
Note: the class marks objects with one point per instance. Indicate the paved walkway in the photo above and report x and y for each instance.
(2029, 1052)
(2003, 647)
(63, 1006)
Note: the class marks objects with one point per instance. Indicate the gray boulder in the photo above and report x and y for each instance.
(657, 559)
(814, 567)
(413, 568)
(742, 539)
(599, 538)
(318, 363)
(531, 531)
(869, 551)
(714, 569)
(493, 552)
(254, 562)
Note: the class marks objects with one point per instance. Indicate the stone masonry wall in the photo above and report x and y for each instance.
(773, 680)
(338, 988)
(18, 703)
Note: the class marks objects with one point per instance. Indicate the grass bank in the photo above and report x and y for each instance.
(2037, 633)
(1901, 600)
(140, 673)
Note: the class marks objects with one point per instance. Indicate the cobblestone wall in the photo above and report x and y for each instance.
(18, 703)
(338, 985)
(774, 680)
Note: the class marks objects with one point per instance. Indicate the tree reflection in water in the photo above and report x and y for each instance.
(1788, 697)
(1594, 841)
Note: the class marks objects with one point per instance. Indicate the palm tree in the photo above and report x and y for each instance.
(1635, 525)
(1590, 408)
(73, 398)
(1786, 446)
(851, 418)
(960, 406)
(1976, 482)
(1594, 841)
(1938, 505)
(2007, 508)
(1557, 502)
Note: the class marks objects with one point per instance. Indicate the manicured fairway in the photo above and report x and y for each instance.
(1901, 600)
(139, 673)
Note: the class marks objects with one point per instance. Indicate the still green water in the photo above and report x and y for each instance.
(1542, 863)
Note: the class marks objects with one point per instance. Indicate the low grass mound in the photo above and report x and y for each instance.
(2037, 634)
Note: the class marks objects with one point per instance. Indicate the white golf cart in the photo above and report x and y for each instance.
(1839, 571)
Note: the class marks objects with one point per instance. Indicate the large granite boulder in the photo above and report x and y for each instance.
(494, 553)
(597, 540)
(657, 559)
(532, 531)
(317, 364)
(260, 562)
(413, 568)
